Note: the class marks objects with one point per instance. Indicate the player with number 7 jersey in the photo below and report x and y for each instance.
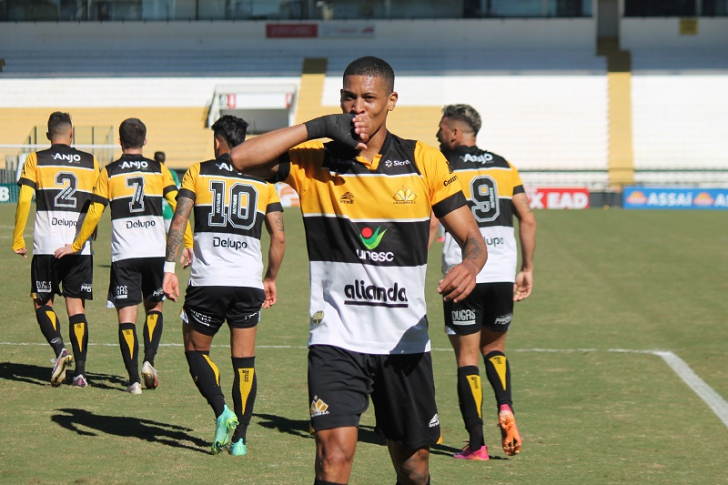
(133, 187)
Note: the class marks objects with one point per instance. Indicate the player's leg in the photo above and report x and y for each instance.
(497, 365)
(125, 295)
(76, 274)
(406, 413)
(44, 285)
(463, 323)
(243, 317)
(198, 331)
(339, 385)
(152, 276)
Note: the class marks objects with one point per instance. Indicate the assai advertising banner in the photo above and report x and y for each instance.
(674, 198)
(558, 198)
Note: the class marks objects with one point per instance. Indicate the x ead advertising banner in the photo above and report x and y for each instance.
(558, 198)
(672, 198)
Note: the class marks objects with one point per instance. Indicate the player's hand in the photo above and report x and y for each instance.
(523, 285)
(64, 251)
(362, 127)
(271, 294)
(170, 285)
(188, 254)
(337, 127)
(458, 282)
(21, 252)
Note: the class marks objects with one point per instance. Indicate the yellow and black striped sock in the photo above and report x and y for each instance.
(207, 378)
(245, 388)
(470, 396)
(129, 350)
(498, 371)
(78, 331)
(49, 325)
(153, 327)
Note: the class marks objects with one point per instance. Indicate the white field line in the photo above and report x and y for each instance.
(714, 400)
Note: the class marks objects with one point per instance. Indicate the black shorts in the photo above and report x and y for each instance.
(132, 279)
(73, 273)
(207, 307)
(489, 306)
(401, 387)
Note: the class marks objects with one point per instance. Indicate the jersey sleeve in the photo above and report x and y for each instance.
(168, 183)
(516, 180)
(28, 175)
(446, 193)
(22, 210)
(101, 193)
(274, 201)
(299, 163)
(189, 182)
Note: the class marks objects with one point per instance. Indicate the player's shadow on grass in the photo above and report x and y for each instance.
(300, 427)
(41, 376)
(86, 423)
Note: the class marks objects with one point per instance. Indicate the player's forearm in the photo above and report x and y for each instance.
(527, 236)
(262, 152)
(93, 216)
(178, 227)
(474, 251)
(25, 198)
(275, 256)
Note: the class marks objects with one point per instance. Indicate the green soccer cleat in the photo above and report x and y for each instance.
(224, 428)
(238, 448)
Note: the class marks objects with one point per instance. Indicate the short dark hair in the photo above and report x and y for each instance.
(465, 113)
(231, 129)
(59, 123)
(373, 67)
(160, 157)
(132, 133)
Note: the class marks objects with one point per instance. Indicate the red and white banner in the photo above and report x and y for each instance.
(289, 31)
(558, 198)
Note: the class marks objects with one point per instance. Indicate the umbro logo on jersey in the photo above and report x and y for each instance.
(404, 196)
(396, 163)
(482, 158)
(67, 157)
(318, 407)
(435, 421)
(347, 198)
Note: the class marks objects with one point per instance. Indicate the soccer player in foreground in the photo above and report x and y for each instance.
(133, 187)
(477, 325)
(62, 179)
(225, 280)
(366, 199)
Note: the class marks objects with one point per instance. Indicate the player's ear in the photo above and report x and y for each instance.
(48, 135)
(392, 101)
(145, 142)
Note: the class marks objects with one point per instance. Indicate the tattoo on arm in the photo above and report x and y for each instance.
(277, 221)
(471, 250)
(176, 235)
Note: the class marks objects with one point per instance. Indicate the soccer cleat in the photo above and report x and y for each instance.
(80, 381)
(134, 388)
(238, 448)
(509, 431)
(480, 454)
(224, 428)
(149, 374)
(58, 375)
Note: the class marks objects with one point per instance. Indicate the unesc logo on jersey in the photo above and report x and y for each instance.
(371, 240)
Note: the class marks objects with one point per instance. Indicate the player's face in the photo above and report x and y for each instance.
(445, 135)
(368, 96)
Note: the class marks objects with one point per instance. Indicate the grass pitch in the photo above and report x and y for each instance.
(610, 280)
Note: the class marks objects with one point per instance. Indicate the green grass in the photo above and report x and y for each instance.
(605, 280)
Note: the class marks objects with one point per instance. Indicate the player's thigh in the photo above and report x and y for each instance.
(339, 385)
(498, 310)
(152, 278)
(44, 281)
(465, 317)
(77, 275)
(125, 283)
(404, 400)
(204, 309)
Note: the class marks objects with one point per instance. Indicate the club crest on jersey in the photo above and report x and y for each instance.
(404, 196)
(318, 407)
(138, 164)
(67, 157)
(318, 317)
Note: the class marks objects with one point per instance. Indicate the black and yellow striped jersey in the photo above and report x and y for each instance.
(133, 187)
(63, 180)
(230, 211)
(489, 182)
(367, 228)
